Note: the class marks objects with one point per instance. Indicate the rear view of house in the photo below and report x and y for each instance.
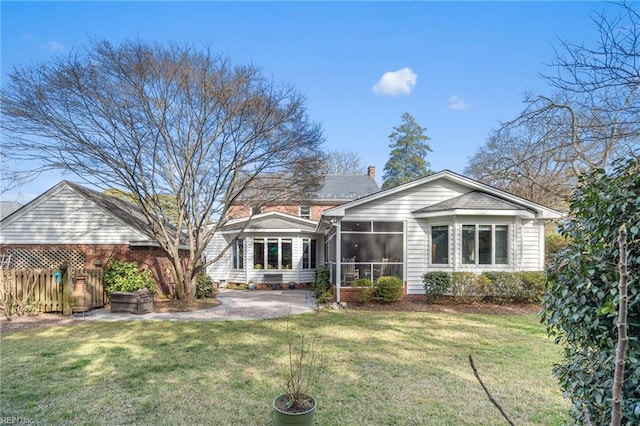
(443, 222)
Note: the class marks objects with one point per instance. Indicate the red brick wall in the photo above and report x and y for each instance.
(147, 257)
(349, 294)
(236, 212)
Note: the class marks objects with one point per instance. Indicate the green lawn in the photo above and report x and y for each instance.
(379, 368)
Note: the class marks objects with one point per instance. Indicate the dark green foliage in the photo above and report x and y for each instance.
(321, 283)
(389, 289)
(126, 276)
(409, 148)
(436, 283)
(580, 305)
(204, 287)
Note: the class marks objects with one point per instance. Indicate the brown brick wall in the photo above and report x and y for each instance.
(349, 294)
(147, 257)
(236, 212)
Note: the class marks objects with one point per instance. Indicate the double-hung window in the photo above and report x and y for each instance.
(440, 245)
(274, 253)
(308, 253)
(485, 244)
(237, 251)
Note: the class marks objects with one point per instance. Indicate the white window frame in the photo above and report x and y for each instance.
(476, 243)
(304, 212)
(449, 243)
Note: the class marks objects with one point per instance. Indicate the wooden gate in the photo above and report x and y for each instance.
(46, 294)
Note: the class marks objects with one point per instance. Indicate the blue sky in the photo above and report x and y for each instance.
(457, 67)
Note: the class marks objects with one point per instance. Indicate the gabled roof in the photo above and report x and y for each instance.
(474, 202)
(346, 187)
(124, 211)
(272, 222)
(539, 211)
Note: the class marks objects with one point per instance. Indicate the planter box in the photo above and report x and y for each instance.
(132, 303)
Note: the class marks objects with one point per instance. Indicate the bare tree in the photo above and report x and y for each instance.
(342, 163)
(593, 119)
(152, 121)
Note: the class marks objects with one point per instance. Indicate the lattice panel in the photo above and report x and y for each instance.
(43, 259)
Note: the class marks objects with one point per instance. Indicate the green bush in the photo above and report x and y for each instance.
(436, 283)
(554, 243)
(364, 290)
(204, 287)
(504, 287)
(467, 286)
(321, 283)
(581, 302)
(127, 277)
(389, 289)
(534, 285)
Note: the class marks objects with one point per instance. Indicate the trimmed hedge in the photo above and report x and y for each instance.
(501, 287)
(436, 283)
(364, 290)
(389, 289)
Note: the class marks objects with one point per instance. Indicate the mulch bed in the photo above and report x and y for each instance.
(408, 304)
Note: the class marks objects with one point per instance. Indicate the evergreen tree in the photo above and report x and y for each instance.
(409, 148)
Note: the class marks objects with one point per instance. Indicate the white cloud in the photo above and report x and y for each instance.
(393, 83)
(53, 46)
(457, 103)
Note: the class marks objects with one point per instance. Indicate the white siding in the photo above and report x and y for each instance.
(65, 217)
(399, 207)
(221, 270)
(532, 246)
(524, 236)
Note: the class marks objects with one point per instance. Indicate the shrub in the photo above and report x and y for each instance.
(204, 287)
(534, 285)
(554, 243)
(436, 283)
(321, 283)
(364, 290)
(389, 289)
(580, 304)
(467, 286)
(126, 276)
(504, 287)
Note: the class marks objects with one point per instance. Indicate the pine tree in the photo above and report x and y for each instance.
(409, 148)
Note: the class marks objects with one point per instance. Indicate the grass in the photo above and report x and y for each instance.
(379, 368)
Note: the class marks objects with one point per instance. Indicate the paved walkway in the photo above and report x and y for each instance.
(235, 305)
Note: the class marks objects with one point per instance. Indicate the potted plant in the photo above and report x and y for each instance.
(130, 289)
(295, 406)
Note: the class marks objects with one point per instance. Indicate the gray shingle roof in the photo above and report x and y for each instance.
(346, 187)
(127, 212)
(474, 200)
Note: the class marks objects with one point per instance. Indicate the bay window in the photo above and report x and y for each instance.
(485, 244)
(308, 253)
(440, 244)
(272, 253)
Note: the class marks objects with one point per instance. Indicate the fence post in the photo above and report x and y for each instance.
(66, 289)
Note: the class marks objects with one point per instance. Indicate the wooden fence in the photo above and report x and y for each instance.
(47, 295)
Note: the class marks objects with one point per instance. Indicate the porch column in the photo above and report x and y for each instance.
(338, 240)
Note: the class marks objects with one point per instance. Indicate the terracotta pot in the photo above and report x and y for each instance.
(80, 299)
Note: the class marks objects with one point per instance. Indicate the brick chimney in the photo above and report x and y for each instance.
(371, 172)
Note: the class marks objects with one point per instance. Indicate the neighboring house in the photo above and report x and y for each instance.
(443, 222)
(8, 207)
(281, 239)
(83, 228)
